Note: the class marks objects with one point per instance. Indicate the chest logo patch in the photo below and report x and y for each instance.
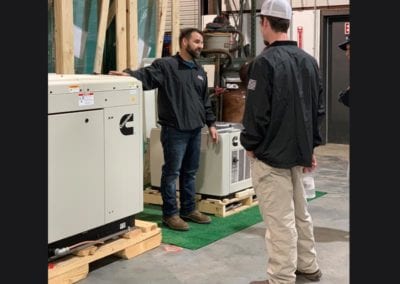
(252, 84)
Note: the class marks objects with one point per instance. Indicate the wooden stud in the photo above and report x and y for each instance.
(162, 14)
(74, 275)
(120, 33)
(111, 13)
(139, 248)
(101, 36)
(145, 226)
(64, 35)
(132, 34)
(175, 14)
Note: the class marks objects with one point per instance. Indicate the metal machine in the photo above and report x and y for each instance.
(95, 158)
(224, 167)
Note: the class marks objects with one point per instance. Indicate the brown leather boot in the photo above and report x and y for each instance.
(197, 217)
(176, 223)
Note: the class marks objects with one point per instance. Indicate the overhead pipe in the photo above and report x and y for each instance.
(217, 6)
(315, 28)
(253, 29)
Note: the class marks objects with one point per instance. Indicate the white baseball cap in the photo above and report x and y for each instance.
(276, 8)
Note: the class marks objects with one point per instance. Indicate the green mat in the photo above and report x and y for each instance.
(201, 235)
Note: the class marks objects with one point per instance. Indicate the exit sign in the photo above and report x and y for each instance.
(347, 28)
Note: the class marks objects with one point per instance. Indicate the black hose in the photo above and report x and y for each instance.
(219, 51)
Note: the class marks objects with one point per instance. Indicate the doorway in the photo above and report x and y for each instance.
(336, 73)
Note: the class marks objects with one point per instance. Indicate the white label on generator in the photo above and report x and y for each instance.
(133, 91)
(86, 99)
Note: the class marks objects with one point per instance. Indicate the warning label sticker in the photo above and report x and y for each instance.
(86, 99)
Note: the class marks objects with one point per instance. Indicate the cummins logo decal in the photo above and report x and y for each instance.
(122, 124)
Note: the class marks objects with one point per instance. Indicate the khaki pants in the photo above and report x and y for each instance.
(289, 236)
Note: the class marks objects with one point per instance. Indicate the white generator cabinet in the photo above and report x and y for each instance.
(95, 156)
(224, 167)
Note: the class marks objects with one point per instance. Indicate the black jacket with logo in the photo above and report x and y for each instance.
(182, 100)
(284, 106)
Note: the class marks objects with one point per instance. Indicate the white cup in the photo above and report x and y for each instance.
(309, 186)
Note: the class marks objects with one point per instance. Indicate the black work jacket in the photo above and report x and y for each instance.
(284, 106)
(182, 100)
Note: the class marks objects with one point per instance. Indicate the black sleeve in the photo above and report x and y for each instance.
(344, 97)
(257, 113)
(151, 76)
(210, 116)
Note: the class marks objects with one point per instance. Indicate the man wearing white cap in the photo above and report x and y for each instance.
(283, 114)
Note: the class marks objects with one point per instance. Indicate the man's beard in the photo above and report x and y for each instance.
(193, 53)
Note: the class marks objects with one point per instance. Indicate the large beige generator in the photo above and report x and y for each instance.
(95, 157)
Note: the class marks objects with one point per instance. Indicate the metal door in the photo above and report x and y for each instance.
(76, 173)
(335, 67)
(123, 162)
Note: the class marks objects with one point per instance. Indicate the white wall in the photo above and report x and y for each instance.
(309, 20)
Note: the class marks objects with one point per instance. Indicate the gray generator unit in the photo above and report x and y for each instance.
(224, 167)
(95, 158)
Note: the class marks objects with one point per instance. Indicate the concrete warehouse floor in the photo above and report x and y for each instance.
(241, 258)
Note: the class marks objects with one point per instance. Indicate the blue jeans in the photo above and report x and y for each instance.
(181, 158)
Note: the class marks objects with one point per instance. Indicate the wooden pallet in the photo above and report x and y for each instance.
(222, 208)
(153, 196)
(73, 268)
(218, 207)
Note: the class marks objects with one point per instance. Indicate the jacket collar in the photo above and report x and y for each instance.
(283, 42)
(183, 61)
